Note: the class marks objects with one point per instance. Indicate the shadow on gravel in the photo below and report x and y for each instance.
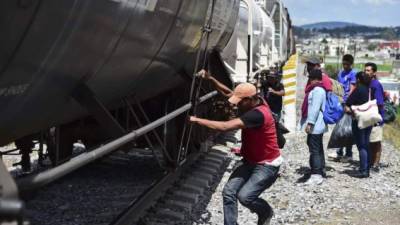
(304, 178)
(306, 172)
(351, 173)
(353, 164)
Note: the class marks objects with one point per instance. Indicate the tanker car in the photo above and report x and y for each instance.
(96, 70)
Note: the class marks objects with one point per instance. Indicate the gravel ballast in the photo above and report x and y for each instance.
(341, 199)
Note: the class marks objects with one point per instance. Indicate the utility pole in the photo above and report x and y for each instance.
(355, 48)
(338, 53)
(250, 40)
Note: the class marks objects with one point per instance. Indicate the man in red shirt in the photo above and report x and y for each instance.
(261, 155)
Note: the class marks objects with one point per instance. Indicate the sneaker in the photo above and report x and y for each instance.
(334, 155)
(315, 179)
(361, 174)
(346, 159)
(375, 169)
(265, 220)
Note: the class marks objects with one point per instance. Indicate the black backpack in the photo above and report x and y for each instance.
(390, 112)
(280, 131)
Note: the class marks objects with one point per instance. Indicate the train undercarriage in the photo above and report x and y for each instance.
(108, 75)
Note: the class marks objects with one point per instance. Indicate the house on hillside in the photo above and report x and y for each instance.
(338, 46)
(391, 47)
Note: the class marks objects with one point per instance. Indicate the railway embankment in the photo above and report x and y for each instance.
(391, 132)
(341, 199)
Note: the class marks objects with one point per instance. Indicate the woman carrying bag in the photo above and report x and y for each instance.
(360, 97)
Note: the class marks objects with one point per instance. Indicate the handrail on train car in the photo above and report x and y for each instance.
(38, 180)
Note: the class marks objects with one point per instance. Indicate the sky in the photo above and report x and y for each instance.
(364, 12)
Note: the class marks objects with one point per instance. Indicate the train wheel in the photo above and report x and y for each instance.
(25, 146)
(60, 144)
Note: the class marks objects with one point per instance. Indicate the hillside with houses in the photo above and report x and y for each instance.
(331, 40)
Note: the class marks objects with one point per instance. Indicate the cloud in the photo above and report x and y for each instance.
(376, 2)
(366, 12)
(301, 21)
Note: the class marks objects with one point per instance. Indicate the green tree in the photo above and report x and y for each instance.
(331, 71)
(389, 34)
(372, 46)
(326, 50)
(307, 33)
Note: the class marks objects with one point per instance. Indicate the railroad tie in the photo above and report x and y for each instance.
(168, 214)
(180, 199)
(192, 188)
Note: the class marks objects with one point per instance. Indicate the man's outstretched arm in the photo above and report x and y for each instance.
(219, 125)
(224, 90)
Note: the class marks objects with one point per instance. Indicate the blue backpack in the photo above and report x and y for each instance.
(333, 108)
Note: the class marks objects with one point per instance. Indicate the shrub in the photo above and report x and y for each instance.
(331, 71)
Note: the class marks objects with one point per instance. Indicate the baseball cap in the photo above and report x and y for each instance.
(274, 74)
(242, 91)
(312, 59)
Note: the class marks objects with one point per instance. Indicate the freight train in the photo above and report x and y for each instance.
(94, 71)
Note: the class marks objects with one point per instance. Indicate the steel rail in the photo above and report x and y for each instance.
(46, 177)
(138, 207)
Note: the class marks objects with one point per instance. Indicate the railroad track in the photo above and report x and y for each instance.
(172, 200)
(128, 188)
(97, 193)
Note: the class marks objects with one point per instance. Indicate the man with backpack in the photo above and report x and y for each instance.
(347, 78)
(314, 125)
(333, 110)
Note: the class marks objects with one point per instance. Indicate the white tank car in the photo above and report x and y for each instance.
(270, 37)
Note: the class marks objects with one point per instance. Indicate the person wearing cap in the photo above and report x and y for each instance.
(313, 123)
(314, 62)
(260, 151)
(273, 92)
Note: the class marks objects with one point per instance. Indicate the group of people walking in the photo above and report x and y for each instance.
(261, 154)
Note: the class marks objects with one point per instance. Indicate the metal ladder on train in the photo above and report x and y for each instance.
(195, 92)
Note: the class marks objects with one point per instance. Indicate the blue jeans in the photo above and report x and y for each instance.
(362, 141)
(317, 155)
(245, 184)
